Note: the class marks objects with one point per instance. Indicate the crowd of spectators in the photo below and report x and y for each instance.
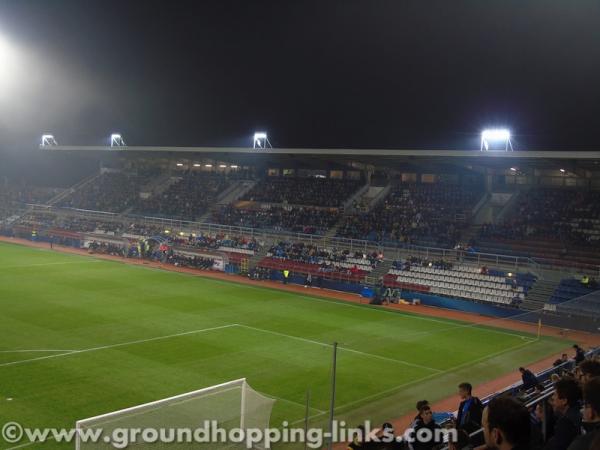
(186, 199)
(415, 213)
(295, 219)
(111, 192)
(560, 413)
(413, 261)
(327, 258)
(551, 214)
(325, 192)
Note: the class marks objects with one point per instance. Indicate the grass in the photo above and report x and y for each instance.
(126, 322)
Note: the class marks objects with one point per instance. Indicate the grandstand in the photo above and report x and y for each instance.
(519, 258)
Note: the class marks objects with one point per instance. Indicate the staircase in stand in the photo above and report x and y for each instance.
(539, 294)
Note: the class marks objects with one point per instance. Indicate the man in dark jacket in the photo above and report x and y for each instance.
(565, 402)
(469, 410)
(425, 430)
(591, 417)
(579, 354)
(528, 377)
(506, 424)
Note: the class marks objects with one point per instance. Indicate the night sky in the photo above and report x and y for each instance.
(363, 74)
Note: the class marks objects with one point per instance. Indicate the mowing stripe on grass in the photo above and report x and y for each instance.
(324, 344)
(24, 266)
(122, 344)
(37, 351)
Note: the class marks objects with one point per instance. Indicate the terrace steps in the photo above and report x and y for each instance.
(539, 294)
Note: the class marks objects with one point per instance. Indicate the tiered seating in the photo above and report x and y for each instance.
(431, 215)
(297, 219)
(326, 263)
(303, 191)
(112, 191)
(560, 225)
(186, 199)
(587, 305)
(462, 281)
(569, 289)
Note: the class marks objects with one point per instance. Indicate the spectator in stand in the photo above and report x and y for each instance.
(579, 354)
(506, 425)
(425, 421)
(469, 410)
(565, 403)
(591, 417)
(528, 377)
(589, 368)
(563, 359)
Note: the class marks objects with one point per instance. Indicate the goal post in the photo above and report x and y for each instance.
(228, 406)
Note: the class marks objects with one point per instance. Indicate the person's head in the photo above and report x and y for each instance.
(426, 414)
(565, 357)
(590, 368)
(505, 424)
(591, 400)
(464, 390)
(522, 369)
(554, 377)
(566, 394)
(421, 403)
(576, 347)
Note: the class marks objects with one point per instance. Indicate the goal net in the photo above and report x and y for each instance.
(198, 419)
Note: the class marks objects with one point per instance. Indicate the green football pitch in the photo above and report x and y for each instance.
(83, 337)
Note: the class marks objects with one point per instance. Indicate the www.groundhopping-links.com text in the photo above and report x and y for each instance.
(210, 432)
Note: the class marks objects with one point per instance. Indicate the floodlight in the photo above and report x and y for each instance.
(196, 165)
(233, 166)
(223, 166)
(179, 164)
(207, 165)
(562, 170)
(48, 140)
(116, 140)
(513, 169)
(261, 140)
(496, 136)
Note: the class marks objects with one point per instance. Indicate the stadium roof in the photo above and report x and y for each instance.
(342, 152)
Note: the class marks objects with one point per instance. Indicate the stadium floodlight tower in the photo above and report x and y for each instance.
(48, 140)
(261, 140)
(496, 139)
(116, 140)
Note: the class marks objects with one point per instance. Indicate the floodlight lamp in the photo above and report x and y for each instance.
(48, 140)
(223, 166)
(513, 169)
(179, 164)
(261, 140)
(116, 140)
(233, 166)
(495, 136)
(562, 170)
(207, 165)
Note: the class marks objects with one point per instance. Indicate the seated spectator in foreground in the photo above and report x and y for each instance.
(563, 359)
(591, 417)
(506, 425)
(528, 377)
(469, 410)
(565, 402)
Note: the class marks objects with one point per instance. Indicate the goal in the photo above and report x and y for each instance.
(229, 406)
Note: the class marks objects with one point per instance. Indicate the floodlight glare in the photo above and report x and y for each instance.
(223, 166)
(495, 136)
(179, 164)
(513, 169)
(234, 166)
(207, 165)
(562, 170)
(196, 165)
